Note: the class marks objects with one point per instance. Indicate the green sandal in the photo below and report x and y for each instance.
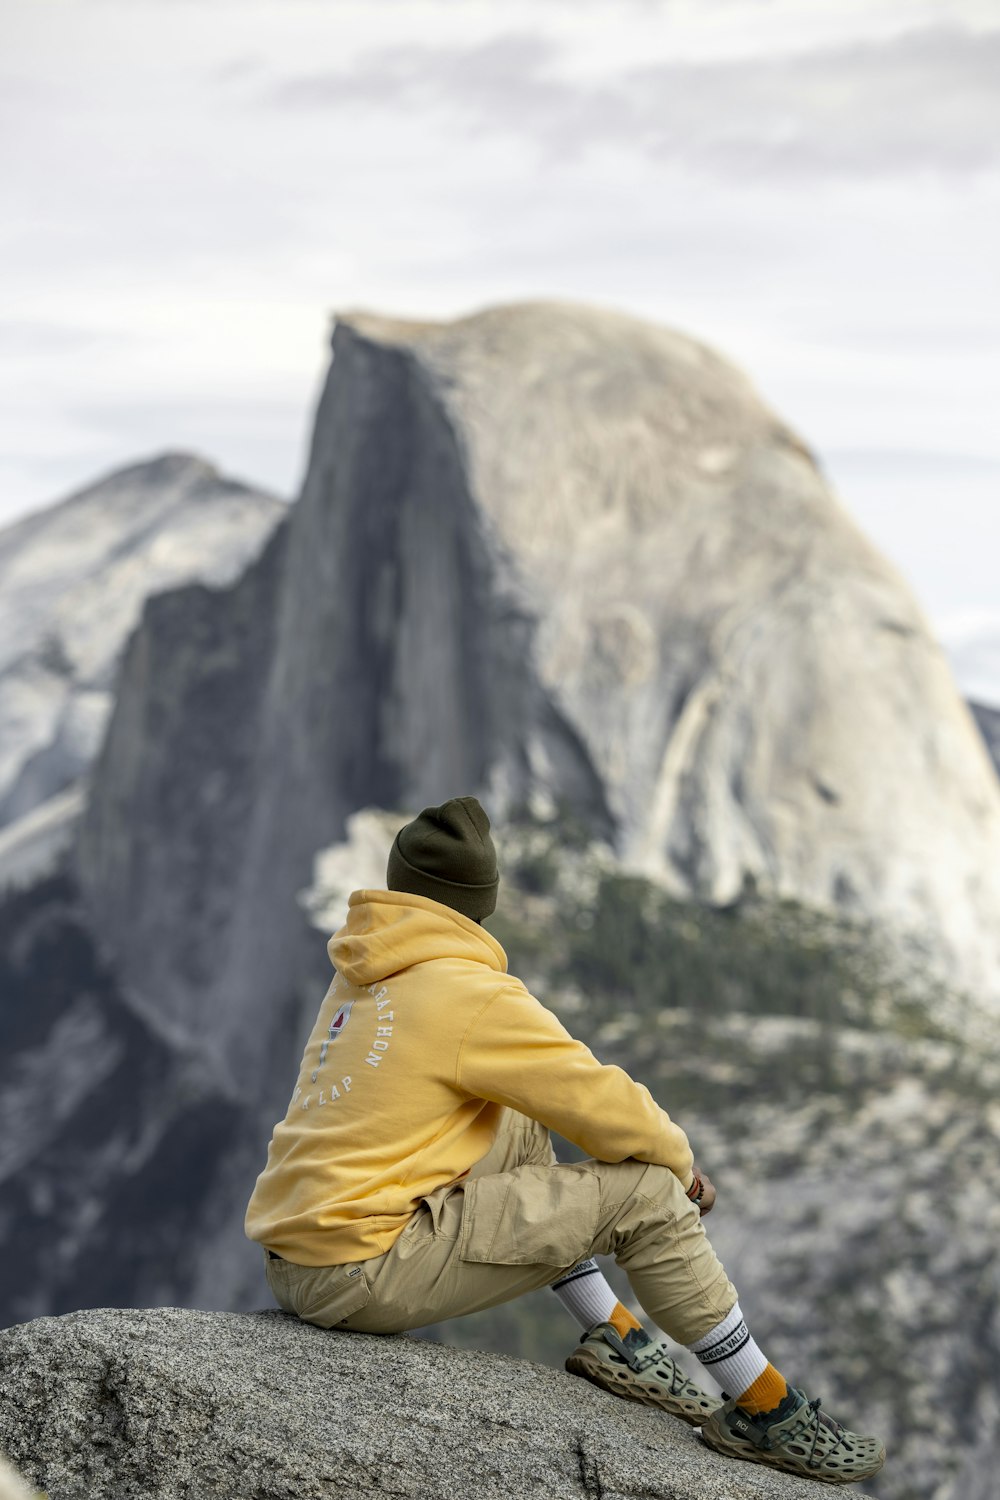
(640, 1369)
(796, 1437)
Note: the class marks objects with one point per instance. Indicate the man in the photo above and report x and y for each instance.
(413, 1178)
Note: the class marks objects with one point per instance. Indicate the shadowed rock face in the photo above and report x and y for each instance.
(988, 720)
(379, 652)
(170, 1404)
(118, 1143)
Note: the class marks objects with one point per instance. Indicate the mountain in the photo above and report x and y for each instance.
(571, 562)
(117, 1143)
(73, 579)
(562, 557)
(102, 1105)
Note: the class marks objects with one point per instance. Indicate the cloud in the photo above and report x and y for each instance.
(494, 84)
(920, 461)
(925, 99)
(972, 640)
(37, 338)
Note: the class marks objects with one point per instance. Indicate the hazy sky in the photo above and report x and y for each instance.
(191, 187)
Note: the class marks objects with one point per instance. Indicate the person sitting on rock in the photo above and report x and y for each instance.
(413, 1177)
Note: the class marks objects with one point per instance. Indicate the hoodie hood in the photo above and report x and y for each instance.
(391, 930)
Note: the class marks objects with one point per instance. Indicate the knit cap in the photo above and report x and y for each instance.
(447, 854)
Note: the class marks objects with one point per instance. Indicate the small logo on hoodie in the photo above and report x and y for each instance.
(340, 1020)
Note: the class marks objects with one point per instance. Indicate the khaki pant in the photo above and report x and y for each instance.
(517, 1222)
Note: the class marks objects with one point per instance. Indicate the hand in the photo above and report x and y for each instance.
(708, 1196)
(706, 1200)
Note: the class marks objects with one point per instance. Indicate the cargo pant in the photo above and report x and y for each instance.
(517, 1221)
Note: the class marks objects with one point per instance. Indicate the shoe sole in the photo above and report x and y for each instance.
(624, 1385)
(772, 1461)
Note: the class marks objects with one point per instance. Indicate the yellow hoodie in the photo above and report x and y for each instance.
(421, 1039)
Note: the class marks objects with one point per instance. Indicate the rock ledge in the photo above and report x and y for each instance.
(168, 1403)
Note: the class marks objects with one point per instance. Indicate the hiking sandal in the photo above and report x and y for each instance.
(796, 1437)
(639, 1368)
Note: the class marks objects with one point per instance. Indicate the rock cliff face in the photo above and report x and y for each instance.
(73, 579)
(371, 656)
(553, 555)
(118, 1146)
(170, 1404)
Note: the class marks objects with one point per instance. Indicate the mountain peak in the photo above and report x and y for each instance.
(172, 464)
(73, 580)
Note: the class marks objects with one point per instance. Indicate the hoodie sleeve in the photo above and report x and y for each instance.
(516, 1052)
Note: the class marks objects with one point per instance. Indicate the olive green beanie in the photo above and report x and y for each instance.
(447, 854)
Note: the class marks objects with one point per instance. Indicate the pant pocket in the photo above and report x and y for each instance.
(533, 1216)
(324, 1295)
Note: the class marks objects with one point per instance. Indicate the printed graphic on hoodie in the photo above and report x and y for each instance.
(338, 1023)
(337, 1026)
(383, 1032)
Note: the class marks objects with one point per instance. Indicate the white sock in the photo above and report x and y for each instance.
(585, 1294)
(730, 1355)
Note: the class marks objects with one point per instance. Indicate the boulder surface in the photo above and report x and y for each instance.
(170, 1403)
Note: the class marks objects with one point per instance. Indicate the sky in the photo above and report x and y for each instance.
(192, 188)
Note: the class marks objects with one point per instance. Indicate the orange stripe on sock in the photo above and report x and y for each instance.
(768, 1389)
(622, 1320)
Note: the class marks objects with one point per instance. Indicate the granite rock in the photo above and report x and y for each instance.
(168, 1404)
